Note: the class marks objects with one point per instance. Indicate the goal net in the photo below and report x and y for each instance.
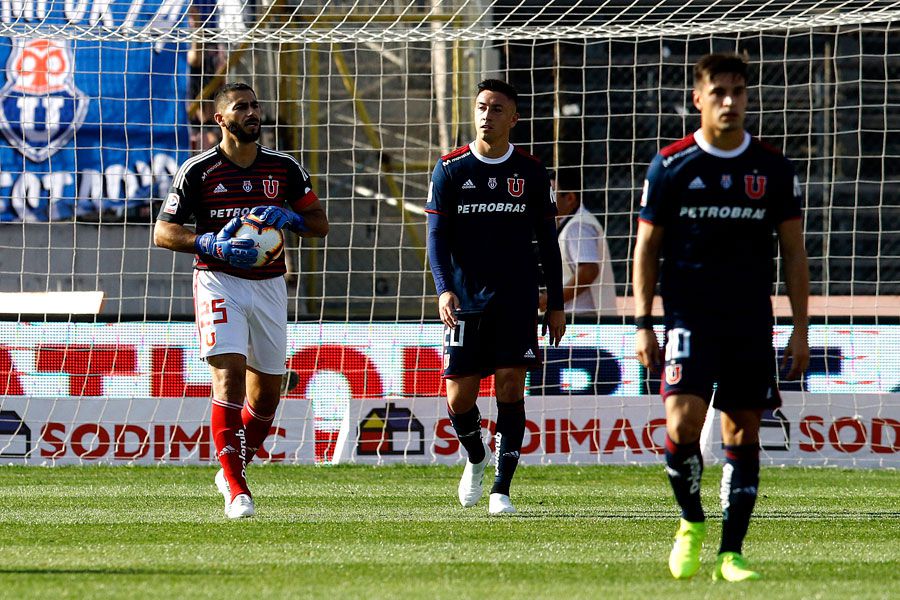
(103, 99)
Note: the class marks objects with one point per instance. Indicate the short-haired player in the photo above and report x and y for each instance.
(710, 206)
(241, 312)
(487, 201)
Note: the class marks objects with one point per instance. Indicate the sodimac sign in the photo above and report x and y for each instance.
(372, 392)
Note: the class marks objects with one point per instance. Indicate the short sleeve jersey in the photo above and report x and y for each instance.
(212, 190)
(494, 207)
(720, 211)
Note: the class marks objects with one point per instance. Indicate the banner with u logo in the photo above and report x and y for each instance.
(89, 126)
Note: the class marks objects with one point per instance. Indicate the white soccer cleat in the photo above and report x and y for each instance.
(240, 507)
(470, 486)
(223, 487)
(501, 504)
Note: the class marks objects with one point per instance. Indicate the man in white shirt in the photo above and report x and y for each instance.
(588, 283)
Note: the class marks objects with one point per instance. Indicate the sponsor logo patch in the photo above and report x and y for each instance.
(172, 203)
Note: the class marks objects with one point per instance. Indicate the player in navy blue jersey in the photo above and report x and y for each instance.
(710, 206)
(241, 312)
(487, 201)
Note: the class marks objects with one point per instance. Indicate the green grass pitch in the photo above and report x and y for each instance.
(398, 532)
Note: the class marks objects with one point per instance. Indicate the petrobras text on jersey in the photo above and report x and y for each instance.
(509, 207)
(722, 212)
(227, 213)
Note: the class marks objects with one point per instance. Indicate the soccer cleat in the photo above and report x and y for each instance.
(500, 504)
(470, 487)
(684, 560)
(223, 487)
(732, 566)
(240, 507)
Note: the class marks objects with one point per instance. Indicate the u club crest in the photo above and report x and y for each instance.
(40, 107)
(515, 186)
(270, 187)
(755, 186)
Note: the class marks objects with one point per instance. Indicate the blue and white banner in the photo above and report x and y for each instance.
(90, 126)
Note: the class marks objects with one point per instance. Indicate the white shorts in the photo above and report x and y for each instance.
(242, 316)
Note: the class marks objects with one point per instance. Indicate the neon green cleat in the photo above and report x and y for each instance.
(731, 566)
(684, 560)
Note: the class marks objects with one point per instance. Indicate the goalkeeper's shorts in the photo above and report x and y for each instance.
(739, 366)
(483, 342)
(242, 316)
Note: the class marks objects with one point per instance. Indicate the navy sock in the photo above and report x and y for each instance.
(468, 430)
(684, 466)
(510, 431)
(740, 479)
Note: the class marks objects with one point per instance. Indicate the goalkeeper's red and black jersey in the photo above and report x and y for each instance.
(720, 210)
(211, 190)
(492, 209)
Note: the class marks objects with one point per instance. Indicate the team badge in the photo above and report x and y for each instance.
(755, 186)
(673, 373)
(41, 109)
(446, 360)
(270, 187)
(492, 183)
(515, 186)
(725, 182)
(248, 185)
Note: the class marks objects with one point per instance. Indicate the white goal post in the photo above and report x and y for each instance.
(103, 99)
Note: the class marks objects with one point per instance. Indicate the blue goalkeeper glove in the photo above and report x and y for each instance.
(280, 218)
(237, 252)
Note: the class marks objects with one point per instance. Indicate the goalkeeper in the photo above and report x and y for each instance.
(486, 202)
(241, 312)
(710, 205)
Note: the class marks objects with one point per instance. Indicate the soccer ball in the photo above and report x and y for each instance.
(268, 240)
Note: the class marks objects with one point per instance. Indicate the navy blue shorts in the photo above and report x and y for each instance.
(483, 342)
(738, 364)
